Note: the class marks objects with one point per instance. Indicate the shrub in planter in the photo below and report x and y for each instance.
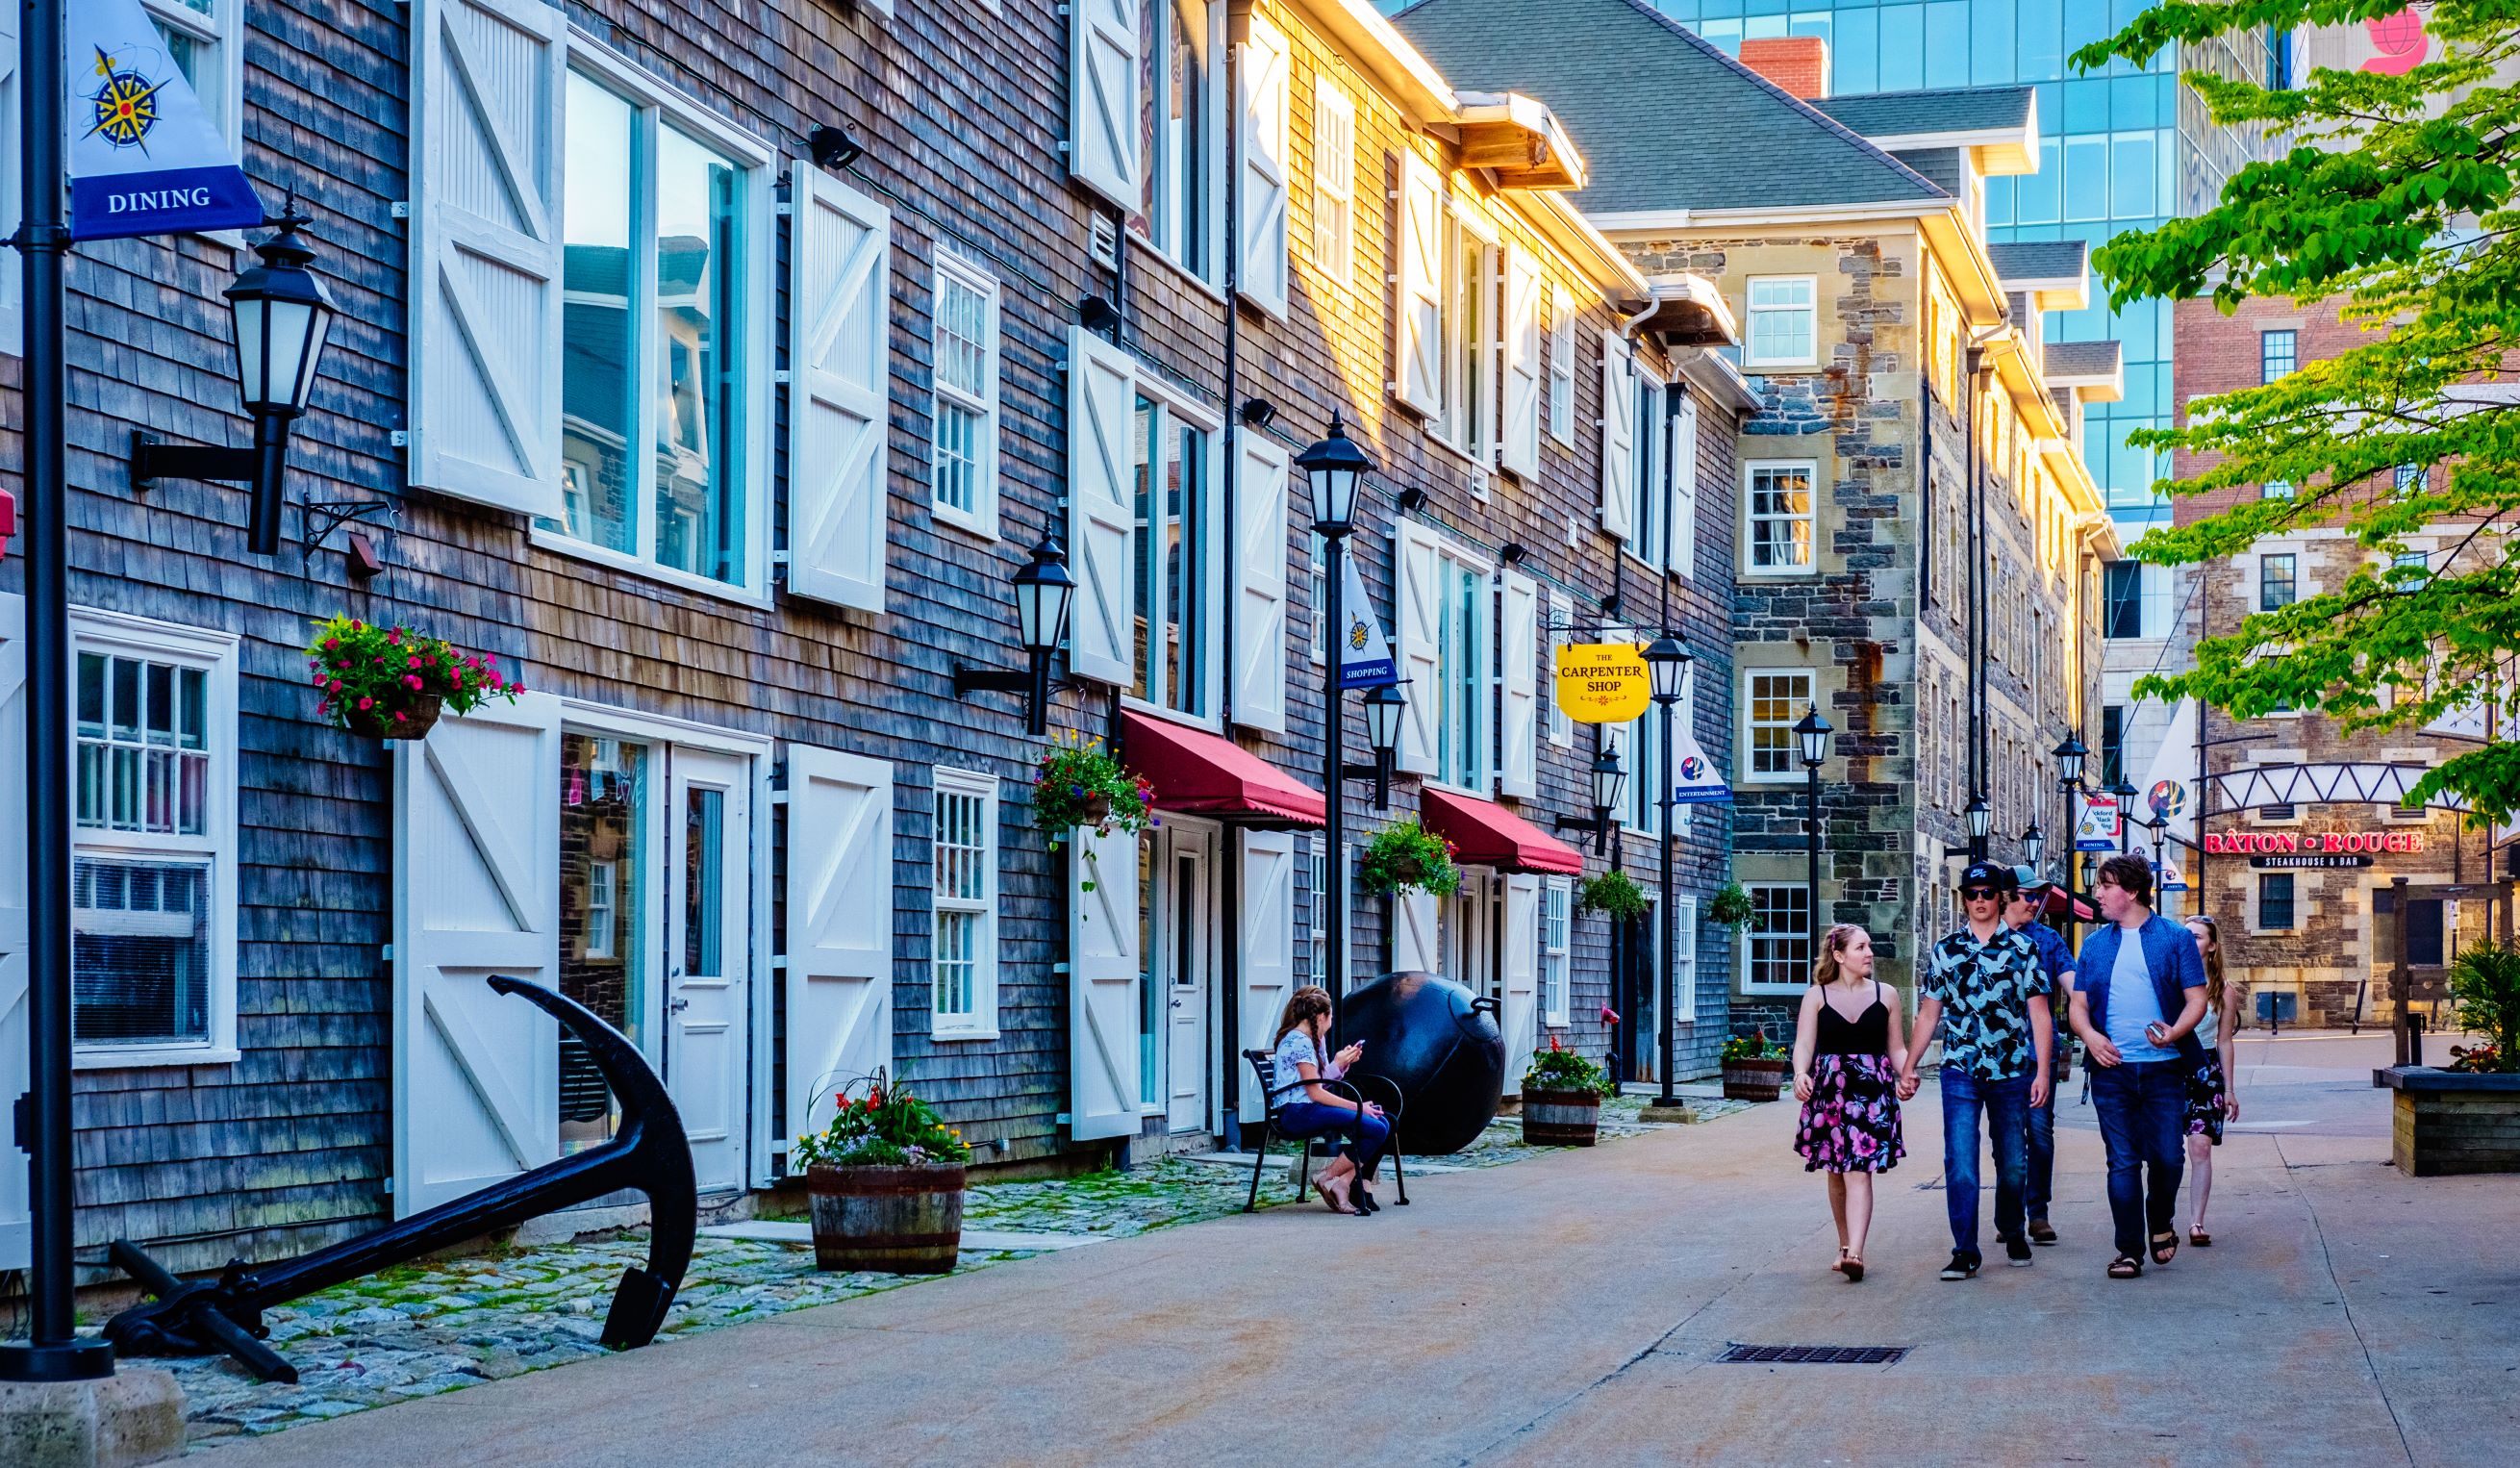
(1754, 1067)
(1730, 906)
(393, 682)
(1614, 895)
(1561, 1098)
(884, 1181)
(1405, 857)
(1077, 783)
(2486, 983)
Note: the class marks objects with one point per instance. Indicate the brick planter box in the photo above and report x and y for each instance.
(2449, 1122)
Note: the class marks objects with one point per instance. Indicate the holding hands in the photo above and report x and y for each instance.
(1908, 1084)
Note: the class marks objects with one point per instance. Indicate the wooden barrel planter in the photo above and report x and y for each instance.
(1561, 1119)
(1755, 1079)
(902, 1221)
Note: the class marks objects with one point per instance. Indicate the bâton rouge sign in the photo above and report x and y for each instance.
(2311, 848)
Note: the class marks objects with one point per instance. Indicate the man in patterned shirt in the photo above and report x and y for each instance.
(1987, 990)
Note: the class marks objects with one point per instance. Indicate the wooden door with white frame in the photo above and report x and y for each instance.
(708, 957)
(1182, 971)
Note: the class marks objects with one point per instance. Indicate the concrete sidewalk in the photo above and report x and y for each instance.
(1570, 1308)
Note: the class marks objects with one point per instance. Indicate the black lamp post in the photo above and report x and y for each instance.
(282, 318)
(1043, 591)
(1810, 733)
(2034, 846)
(1667, 672)
(1610, 781)
(1981, 822)
(1334, 469)
(2070, 754)
(2125, 794)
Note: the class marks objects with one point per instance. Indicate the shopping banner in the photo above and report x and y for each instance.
(143, 157)
(1694, 778)
(1364, 654)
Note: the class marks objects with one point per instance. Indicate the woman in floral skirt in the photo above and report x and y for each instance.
(1849, 1045)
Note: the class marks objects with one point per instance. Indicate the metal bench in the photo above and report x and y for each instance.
(1277, 1098)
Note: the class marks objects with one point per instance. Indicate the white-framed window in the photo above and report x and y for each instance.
(1334, 181)
(1683, 958)
(1773, 701)
(665, 331)
(1556, 951)
(1181, 127)
(1321, 583)
(11, 320)
(1180, 572)
(1561, 365)
(1561, 620)
(962, 438)
(603, 908)
(204, 39)
(966, 887)
(2275, 489)
(154, 844)
(1783, 329)
(1470, 338)
(1777, 517)
(1650, 450)
(1318, 932)
(1776, 950)
(1465, 732)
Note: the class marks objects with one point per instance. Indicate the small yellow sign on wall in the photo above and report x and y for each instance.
(1603, 682)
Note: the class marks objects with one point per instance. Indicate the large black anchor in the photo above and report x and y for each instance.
(203, 1317)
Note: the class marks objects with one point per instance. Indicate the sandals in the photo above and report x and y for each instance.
(2165, 1247)
(2200, 1238)
(2125, 1266)
(1330, 1198)
(1852, 1268)
(1840, 1267)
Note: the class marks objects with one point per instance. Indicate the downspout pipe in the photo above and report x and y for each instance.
(1230, 867)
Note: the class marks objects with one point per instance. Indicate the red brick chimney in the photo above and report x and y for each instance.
(1799, 63)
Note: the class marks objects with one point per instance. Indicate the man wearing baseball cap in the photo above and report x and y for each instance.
(2056, 960)
(1987, 980)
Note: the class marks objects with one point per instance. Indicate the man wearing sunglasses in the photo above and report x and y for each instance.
(1987, 990)
(2056, 960)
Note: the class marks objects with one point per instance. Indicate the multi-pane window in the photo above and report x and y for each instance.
(1175, 586)
(1649, 452)
(1556, 957)
(1561, 365)
(2418, 563)
(2122, 607)
(2410, 479)
(1783, 329)
(965, 884)
(1561, 617)
(1321, 583)
(1463, 637)
(1778, 516)
(1683, 958)
(1334, 181)
(1777, 953)
(1774, 701)
(2277, 582)
(1469, 421)
(201, 40)
(654, 419)
(2274, 902)
(2275, 489)
(2279, 354)
(964, 438)
(1178, 117)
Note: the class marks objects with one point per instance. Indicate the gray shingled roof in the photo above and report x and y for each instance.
(1663, 119)
(2040, 259)
(1896, 115)
(2068, 360)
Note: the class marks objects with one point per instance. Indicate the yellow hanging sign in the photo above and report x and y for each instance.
(1603, 682)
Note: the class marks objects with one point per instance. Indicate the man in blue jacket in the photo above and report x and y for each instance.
(2138, 993)
(2021, 915)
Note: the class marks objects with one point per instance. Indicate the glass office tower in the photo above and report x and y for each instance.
(2120, 149)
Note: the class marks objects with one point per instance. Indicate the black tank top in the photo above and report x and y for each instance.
(1868, 1034)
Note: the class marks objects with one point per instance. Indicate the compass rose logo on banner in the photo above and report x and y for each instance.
(126, 104)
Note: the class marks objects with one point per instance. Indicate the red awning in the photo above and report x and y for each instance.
(1486, 834)
(1197, 773)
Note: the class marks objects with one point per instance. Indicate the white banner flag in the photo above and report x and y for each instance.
(1364, 654)
(143, 157)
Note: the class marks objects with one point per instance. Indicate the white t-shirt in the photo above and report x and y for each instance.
(2132, 1004)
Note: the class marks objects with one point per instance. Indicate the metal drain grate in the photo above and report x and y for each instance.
(1816, 1355)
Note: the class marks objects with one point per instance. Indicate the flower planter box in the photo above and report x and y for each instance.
(1561, 1119)
(2450, 1122)
(375, 723)
(1755, 1079)
(902, 1221)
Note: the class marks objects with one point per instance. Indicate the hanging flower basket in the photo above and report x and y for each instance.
(1077, 785)
(393, 683)
(1405, 857)
(1614, 895)
(1730, 906)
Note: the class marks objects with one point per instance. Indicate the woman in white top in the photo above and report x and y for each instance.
(1307, 1108)
(2212, 1092)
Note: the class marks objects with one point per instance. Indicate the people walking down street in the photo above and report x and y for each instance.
(2056, 960)
(1847, 1055)
(1986, 988)
(2212, 1091)
(2138, 993)
(1300, 1068)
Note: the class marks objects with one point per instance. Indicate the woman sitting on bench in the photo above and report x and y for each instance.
(1311, 1108)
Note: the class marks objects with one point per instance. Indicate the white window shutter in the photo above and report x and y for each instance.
(1259, 572)
(1260, 182)
(1103, 977)
(476, 892)
(15, 1220)
(839, 982)
(1416, 942)
(1683, 487)
(1417, 318)
(1518, 1014)
(11, 343)
(1618, 439)
(1560, 630)
(488, 83)
(838, 419)
(1103, 99)
(1518, 717)
(1417, 620)
(1518, 446)
(1102, 508)
(1267, 916)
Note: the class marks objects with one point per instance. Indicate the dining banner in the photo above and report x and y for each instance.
(144, 156)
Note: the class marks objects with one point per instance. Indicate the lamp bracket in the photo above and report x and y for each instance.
(319, 518)
(969, 680)
(153, 459)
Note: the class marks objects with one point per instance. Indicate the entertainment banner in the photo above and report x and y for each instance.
(1694, 778)
(143, 157)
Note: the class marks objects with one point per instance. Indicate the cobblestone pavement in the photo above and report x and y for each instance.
(417, 1330)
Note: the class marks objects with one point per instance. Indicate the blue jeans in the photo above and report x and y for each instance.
(2042, 1187)
(1368, 1135)
(2006, 1103)
(2142, 1110)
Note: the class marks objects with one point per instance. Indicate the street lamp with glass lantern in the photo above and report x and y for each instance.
(1810, 734)
(1333, 470)
(2034, 846)
(1043, 589)
(1667, 664)
(2070, 753)
(1981, 823)
(1609, 782)
(2125, 794)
